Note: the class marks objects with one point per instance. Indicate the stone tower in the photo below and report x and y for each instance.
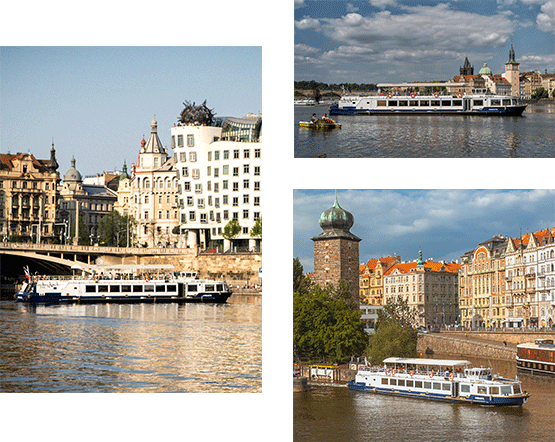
(467, 68)
(336, 250)
(512, 74)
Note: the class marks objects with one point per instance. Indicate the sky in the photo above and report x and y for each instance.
(96, 103)
(381, 41)
(444, 224)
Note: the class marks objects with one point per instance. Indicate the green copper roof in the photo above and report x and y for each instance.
(335, 223)
(485, 70)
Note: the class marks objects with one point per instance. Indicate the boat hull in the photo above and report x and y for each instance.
(514, 111)
(319, 125)
(57, 298)
(471, 399)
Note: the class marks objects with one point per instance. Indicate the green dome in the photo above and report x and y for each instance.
(336, 218)
(485, 70)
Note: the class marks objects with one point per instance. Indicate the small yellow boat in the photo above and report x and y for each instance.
(320, 124)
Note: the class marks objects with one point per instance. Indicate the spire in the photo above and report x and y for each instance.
(419, 263)
(52, 164)
(511, 53)
(124, 174)
(153, 145)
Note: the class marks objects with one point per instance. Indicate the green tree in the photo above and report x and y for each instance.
(231, 230)
(113, 229)
(394, 334)
(540, 93)
(301, 283)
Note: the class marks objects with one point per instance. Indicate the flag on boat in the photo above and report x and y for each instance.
(27, 273)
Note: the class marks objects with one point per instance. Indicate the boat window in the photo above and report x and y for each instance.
(384, 381)
(171, 288)
(514, 102)
(482, 389)
(418, 384)
(393, 382)
(401, 382)
(494, 390)
(410, 383)
(457, 102)
(427, 384)
(437, 385)
(149, 288)
(102, 289)
(382, 103)
(220, 288)
(403, 103)
(477, 102)
(446, 102)
(506, 102)
(516, 388)
(392, 103)
(137, 288)
(446, 387)
(435, 103)
(424, 103)
(495, 102)
(413, 103)
(160, 288)
(90, 289)
(192, 288)
(506, 389)
(465, 388)
(125, 288)
(114, 288)
(209, 288)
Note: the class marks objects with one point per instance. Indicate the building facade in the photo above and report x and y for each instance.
(546, 279)
(482, 285)
(371, 279)
(431, 288)
(336, 251)
(28, 197)
(219, 176)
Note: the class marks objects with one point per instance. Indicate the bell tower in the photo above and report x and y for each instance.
(512, 73)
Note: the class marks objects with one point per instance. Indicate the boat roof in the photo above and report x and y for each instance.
(414, 84)
(122, 267)
(423, 361)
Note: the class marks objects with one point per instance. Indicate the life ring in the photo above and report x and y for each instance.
(431, 374)
(411, 373)
(389, 95)
(436, 94)
(413, 94)
(459, 95)
(451, 376)
(392, 372)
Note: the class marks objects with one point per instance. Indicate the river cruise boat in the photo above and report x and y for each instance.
(389, 101)
(438, 379)
(536, 357)
(119, 287)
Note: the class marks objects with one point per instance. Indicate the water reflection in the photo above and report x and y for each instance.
(134, 347)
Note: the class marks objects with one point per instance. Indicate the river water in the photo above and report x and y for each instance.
(131, 348)
(337, 413)
(429, 136)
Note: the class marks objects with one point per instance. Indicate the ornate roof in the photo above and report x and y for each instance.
(73, 174)
(335, 223)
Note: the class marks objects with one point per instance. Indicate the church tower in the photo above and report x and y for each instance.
(467, 69)
(512, 74)
(336, 250)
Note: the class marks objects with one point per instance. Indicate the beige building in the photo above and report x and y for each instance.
(28, 197)
(431, 288)
(512, 74)
(154, 195)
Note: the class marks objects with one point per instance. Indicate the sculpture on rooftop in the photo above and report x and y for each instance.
(194, 114)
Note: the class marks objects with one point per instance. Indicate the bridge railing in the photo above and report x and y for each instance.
(59, 248)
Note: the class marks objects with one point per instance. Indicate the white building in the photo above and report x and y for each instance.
(546, 279)
(219, 179)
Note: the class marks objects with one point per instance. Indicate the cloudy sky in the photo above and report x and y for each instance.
(377, 41)
(445, 224)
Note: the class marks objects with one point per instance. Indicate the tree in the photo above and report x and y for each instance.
(192, 113)
(394, 334)
(113, 229)
(231, 230)
(256, 230)
(301, 283)
(540, 93)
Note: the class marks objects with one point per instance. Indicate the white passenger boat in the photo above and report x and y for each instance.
(536, 357)
(438, 379)
(123, 287)
(458, 104)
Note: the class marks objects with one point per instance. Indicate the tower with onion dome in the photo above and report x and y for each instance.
(336, 250)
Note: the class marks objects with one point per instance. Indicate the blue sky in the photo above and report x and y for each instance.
(377, 41)
(444, 224)
(98, 102)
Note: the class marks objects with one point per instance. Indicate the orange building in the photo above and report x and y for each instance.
(371, 279)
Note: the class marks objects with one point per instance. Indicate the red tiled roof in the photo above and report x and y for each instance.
(432, 265)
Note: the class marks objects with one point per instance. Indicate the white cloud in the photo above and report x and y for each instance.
(546, 19)
(299, 4)
(307, 23)
(302, 49)
(351, 8)
(382, 4)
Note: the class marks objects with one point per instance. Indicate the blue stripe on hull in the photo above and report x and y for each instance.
(472, 399)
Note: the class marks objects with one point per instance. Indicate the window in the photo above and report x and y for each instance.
(190, 140)
(257, 152)
(180, 140)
